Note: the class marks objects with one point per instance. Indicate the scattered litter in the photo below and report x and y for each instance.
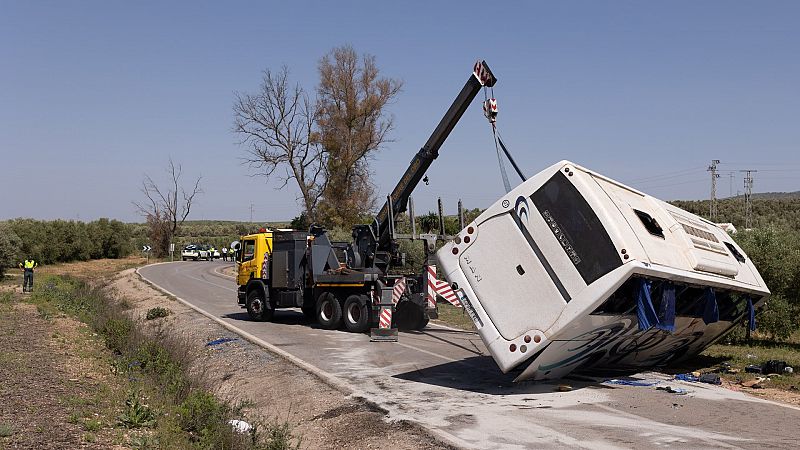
(773, 366)
(710, 378)
(673, 390)
(696, 374)
(676, 406)
(753, 368)
(755, 383)
(240, 425)
(632, 382)
(788, 369)
(220, 341)
(687, 377)
(751, 356)
(564, 388)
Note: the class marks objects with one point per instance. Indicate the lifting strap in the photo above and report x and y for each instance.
(490, 111)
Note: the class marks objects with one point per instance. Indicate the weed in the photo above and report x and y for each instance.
(136, 414)
(117, 332)
(92, 425)
(201, 412)
(90, 437)
(5, 430)
(143, 442)
(6, 297)
(155, 313)
(279, 437)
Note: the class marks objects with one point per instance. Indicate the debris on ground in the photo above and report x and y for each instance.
(773, 366)
(673, 390)
(632, 382)
(240, 426)
(753, 368)
(220, 341)
(697, 377)
(564, 388)
(755, 383)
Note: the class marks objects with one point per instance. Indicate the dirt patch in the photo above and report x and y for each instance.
(54, 391)
(274, 389)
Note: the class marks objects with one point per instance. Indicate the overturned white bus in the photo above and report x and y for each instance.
(572, 270)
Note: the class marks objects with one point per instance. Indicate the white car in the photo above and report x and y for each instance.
(194, 252)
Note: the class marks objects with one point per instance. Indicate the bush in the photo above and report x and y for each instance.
(778, 318)
(10, 245)
(155, 313)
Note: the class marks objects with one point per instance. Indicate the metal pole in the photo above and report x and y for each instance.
(412, 218)
(441, 219)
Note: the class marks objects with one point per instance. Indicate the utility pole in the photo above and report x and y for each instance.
(731, 176)
(712, 208)
(251, 212)
(748, 192)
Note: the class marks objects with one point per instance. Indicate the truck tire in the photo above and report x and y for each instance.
(409, 316)
(329, 311)
(356, 314)
(257, 307)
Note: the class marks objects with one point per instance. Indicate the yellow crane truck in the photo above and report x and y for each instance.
(342, 283)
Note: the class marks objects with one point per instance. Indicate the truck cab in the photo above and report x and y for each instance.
(254, 250)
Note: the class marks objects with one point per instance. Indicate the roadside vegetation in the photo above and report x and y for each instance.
(156, 398)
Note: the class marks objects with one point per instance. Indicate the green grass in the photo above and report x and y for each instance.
(164, 397)
(6, 430)
(454, 317)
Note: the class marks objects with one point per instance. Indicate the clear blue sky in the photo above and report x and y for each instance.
(94, 94)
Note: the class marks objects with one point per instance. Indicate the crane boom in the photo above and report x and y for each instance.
(481, 76)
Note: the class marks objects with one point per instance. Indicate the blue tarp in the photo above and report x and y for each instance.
(644, 306)
(711, 310)
(751, 314)
(666, 312)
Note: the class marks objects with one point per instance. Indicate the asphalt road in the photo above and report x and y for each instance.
(445, 380)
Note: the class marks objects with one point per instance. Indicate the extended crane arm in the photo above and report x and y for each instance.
(481, 76)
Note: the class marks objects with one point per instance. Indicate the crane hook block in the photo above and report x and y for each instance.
(490, 110)
(484, 74)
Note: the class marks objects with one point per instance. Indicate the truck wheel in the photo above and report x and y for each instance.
(357, 314)
(409, 316)
(257, 307)
(329, 311)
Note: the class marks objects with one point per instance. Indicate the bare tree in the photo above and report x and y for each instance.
(166, 208)
(353, 125)
(277, 125)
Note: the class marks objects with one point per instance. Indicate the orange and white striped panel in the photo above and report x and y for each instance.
(385, 319)
(439, 287)
(398, 289)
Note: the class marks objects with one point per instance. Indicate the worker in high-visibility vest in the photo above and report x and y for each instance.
(27, 281)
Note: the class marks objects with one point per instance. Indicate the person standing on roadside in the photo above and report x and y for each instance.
(224, 253)
(27, 280)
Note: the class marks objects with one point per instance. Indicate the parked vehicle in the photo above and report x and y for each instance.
(194, 252)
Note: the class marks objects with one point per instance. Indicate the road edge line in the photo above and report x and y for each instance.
(324, 376)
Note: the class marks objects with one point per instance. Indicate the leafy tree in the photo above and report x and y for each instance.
(10, 245)
(353, 125)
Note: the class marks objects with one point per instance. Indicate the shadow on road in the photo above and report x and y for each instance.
(480, 374)
(285, 317)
